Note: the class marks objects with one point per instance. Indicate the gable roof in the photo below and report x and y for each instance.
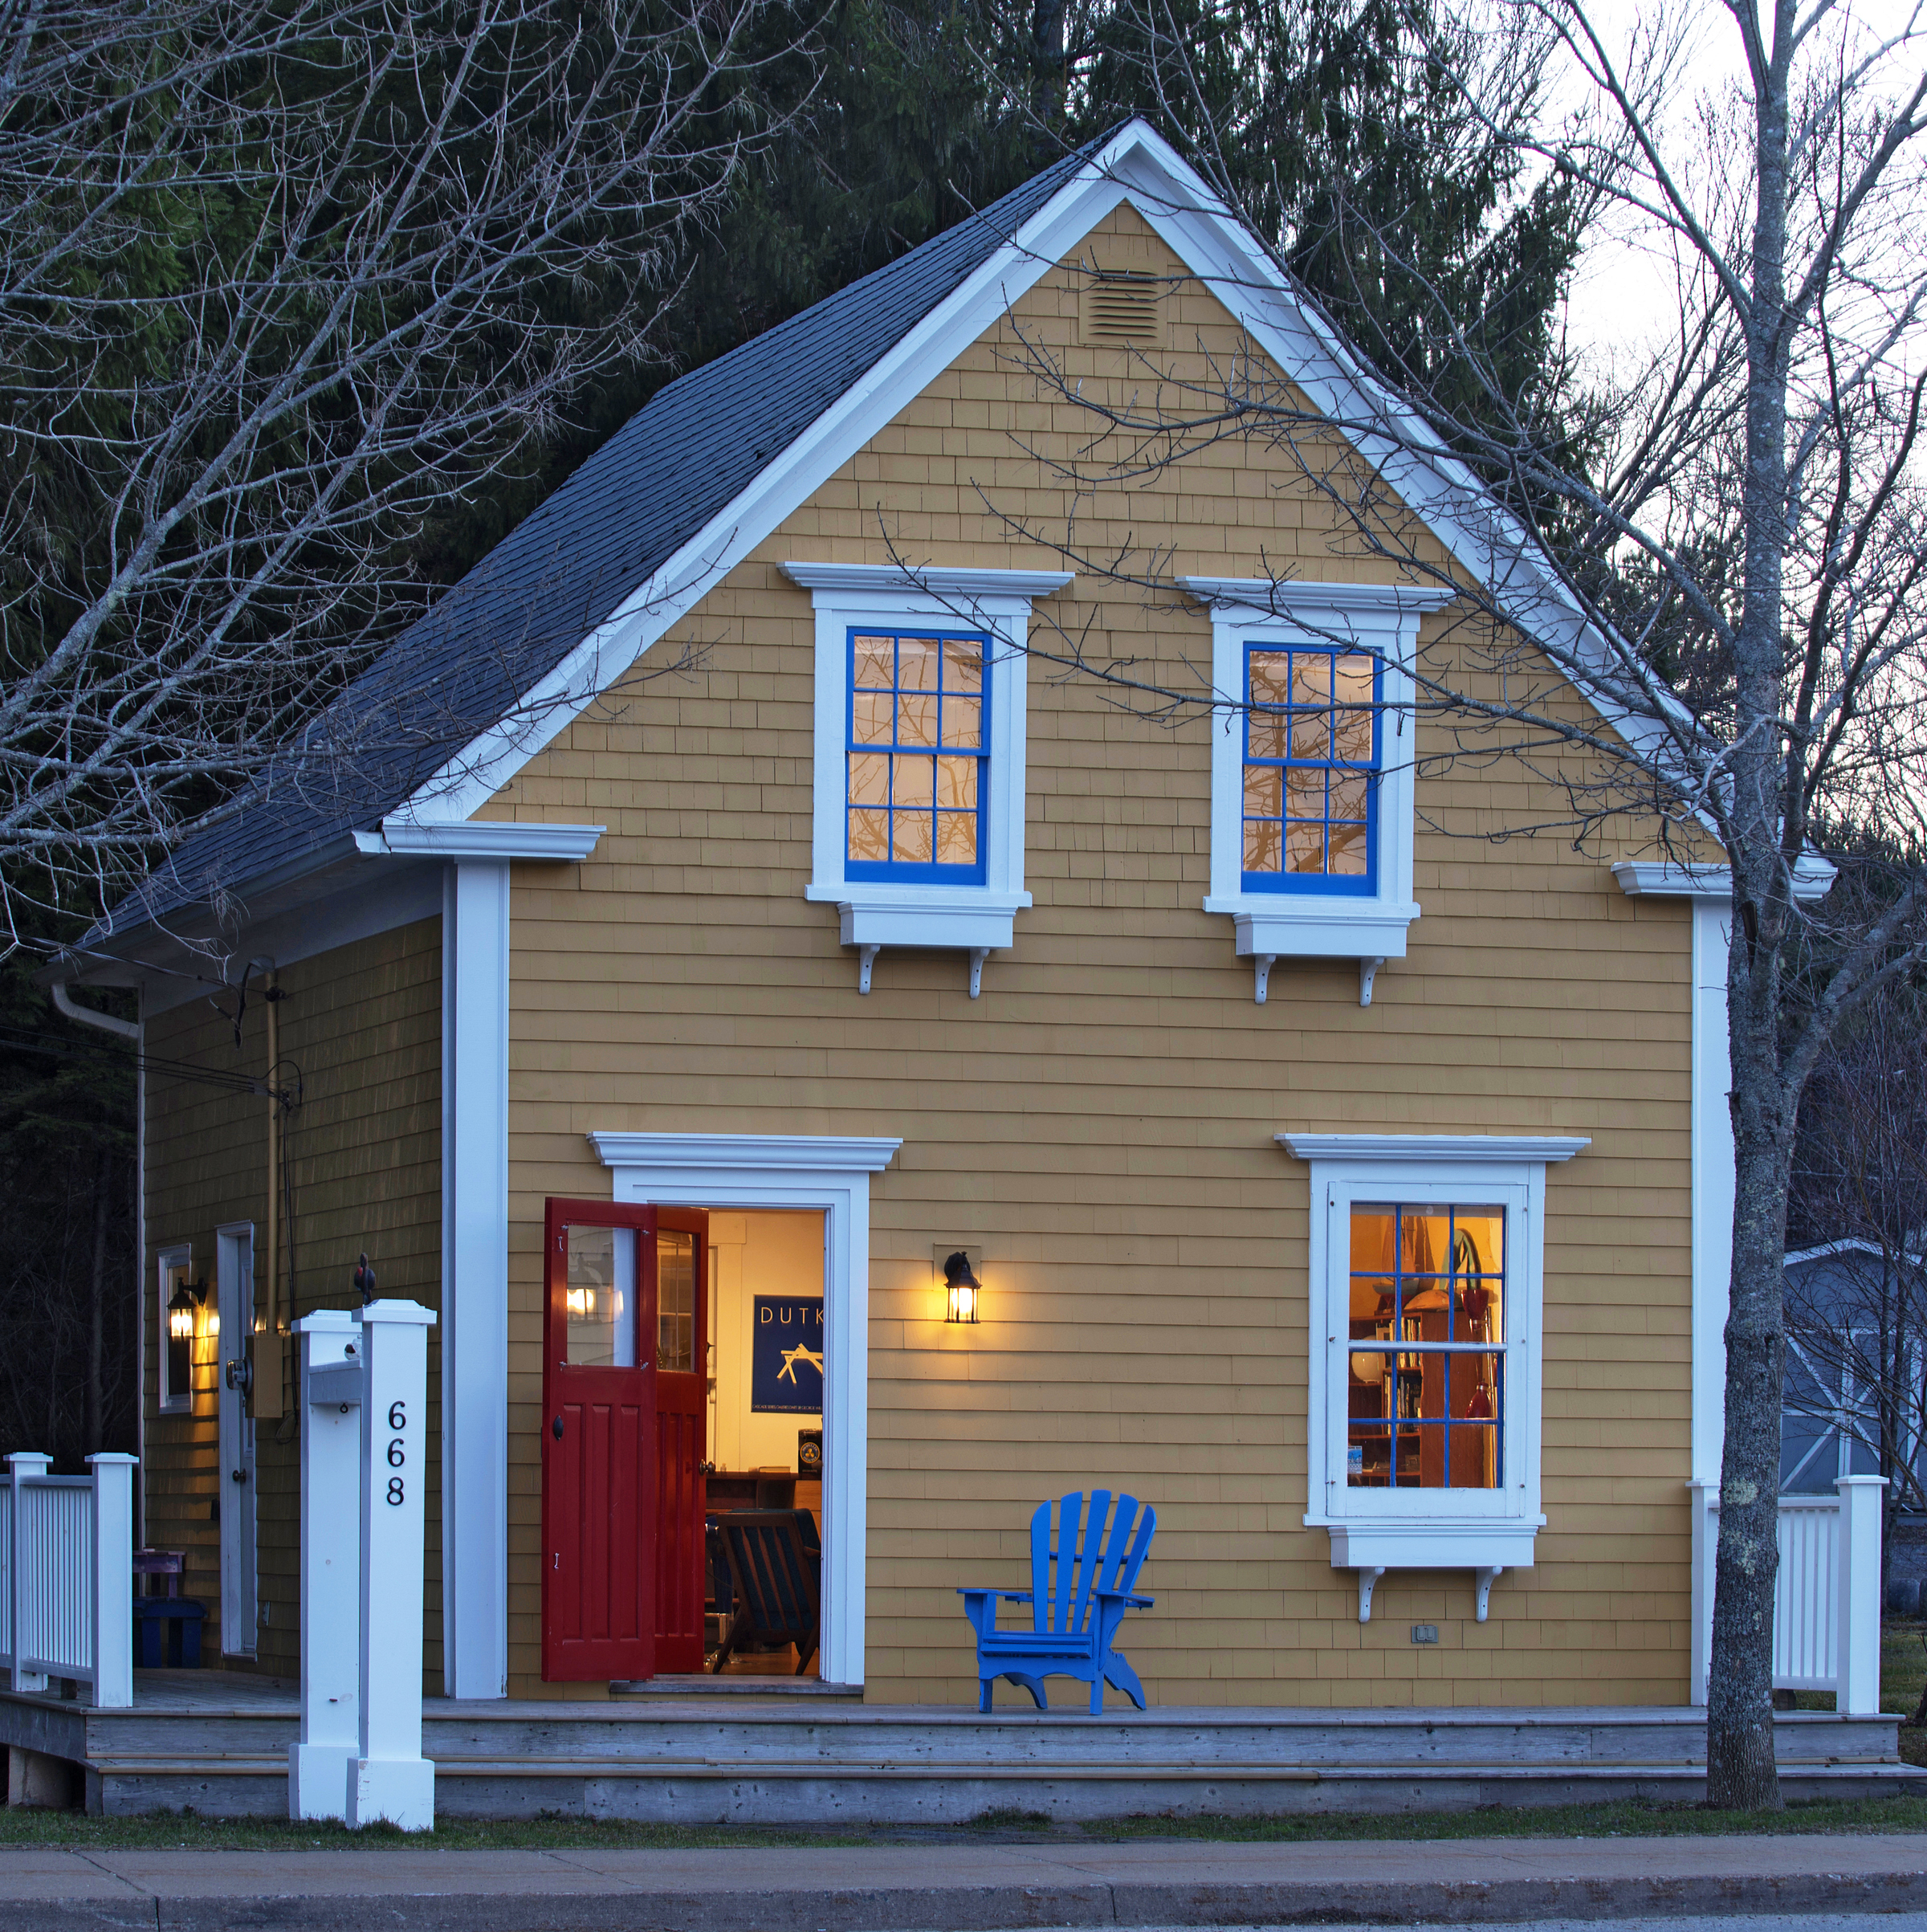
(466, 663)
(560, 610)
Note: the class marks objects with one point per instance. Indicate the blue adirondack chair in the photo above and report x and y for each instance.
(1076, 1609)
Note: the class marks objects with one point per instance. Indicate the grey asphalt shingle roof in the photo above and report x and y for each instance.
(570, 564)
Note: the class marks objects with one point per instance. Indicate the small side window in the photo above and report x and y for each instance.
(178, 1327)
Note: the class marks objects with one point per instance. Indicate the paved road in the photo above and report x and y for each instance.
(971, 1888)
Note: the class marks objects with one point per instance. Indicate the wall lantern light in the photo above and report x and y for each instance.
(188, 1296)
(963, 1292)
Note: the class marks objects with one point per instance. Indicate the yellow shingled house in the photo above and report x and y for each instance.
(758, 885)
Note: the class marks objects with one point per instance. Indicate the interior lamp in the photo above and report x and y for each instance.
(581, 1302)
(963, 1292)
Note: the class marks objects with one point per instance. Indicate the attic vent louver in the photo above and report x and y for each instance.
(1121, 311)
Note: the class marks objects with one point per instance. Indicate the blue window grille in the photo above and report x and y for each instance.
(918, 761)
(1425, 1363)
(1311, 769)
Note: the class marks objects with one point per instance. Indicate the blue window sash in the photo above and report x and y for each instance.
(893, 870)
(1324, 884)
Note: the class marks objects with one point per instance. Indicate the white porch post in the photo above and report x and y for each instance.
(474, 1277)
(113, 1579)
(1857, 1615)
(1712, 1185)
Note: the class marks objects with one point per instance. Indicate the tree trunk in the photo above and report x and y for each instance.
(1741, 1774)
(96, 1305)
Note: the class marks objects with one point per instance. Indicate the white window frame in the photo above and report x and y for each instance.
(878, 913)
(1381, 618)
(173, 1402)
(1372, 1531)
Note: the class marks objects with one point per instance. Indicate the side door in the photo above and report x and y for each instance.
(599, 1450)
(682, 1270)
(235, 1303)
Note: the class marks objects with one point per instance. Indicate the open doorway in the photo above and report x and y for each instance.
(682, 1454)
(763, 1528)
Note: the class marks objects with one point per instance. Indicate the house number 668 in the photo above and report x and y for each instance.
(397, 1454)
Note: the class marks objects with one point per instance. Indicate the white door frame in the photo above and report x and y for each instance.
(830, 1173)
(235, 1292)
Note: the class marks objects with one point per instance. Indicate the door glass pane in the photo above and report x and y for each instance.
(676, 1302)
(601, 1294)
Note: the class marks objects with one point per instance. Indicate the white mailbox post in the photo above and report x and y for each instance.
(331, 1488)
(390, 1777)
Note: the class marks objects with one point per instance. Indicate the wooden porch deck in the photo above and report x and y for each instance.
(219, 1742)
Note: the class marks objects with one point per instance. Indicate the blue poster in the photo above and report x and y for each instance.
(786, 1356)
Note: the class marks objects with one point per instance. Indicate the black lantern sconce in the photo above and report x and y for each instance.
(187, 1297)
(963, 1292)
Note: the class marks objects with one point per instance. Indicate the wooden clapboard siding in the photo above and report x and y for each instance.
(1100, 1123)
(363, 1026)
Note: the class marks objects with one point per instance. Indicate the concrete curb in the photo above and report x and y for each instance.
(990, 1908)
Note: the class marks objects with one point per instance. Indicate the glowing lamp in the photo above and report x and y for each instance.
(963, 1292)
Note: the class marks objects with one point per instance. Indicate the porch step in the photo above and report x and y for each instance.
(778, 1759)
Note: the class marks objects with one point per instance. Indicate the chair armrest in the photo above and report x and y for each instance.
(1004, 1596)
(980, 1607)
(1125, 1598)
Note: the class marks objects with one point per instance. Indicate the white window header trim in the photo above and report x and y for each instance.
(1432, 1148)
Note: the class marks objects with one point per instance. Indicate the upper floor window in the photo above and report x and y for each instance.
(917, 773)
(916, 824)
(1310, 779)
(1312, 764)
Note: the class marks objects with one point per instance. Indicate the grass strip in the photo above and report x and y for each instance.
(186, 1831)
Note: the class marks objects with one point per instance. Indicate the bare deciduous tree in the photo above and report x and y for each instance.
(1722, 540)
(278, 278)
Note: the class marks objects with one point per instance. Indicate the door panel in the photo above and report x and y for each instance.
(598, 1451)
(682, 1246)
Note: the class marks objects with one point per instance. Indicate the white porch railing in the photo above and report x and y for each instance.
(1827, 1594)
(67, 1576)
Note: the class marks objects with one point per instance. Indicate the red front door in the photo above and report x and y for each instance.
(622, 1441)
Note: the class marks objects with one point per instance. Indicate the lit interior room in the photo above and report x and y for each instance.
(764, 1524)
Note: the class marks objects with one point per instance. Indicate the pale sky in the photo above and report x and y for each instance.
(1624, 287)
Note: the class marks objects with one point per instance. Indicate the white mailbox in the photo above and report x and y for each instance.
(317, 1765)
(388, 1777)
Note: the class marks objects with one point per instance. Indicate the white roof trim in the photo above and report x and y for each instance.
(1138, 166)
(474, 838)
(939, 583)
(1813, 879)
(1289, 595)
(771, 1153)
(1439, 1148)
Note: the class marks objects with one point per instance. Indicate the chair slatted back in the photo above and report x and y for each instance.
(776, 1566)
(1073, 1557)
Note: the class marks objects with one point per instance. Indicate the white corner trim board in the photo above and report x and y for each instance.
(1306, 924)
(476, 894)
(974, 920)
(479, 838)
(831, 1174)
(1373, 1528)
